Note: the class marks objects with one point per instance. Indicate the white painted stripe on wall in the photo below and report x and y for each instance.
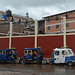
(37, 35)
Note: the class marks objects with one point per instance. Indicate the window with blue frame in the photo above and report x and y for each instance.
(67, 24)
(48, 19)
(48, 27)
(66, 16)
(57, 26)
(57, 18)
(56, 53)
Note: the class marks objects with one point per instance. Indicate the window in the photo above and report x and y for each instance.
(66, 16)
(56, 52)
(4, 52)
(57, 26)
(48, 27)
(0, 52)
(13, 51)
(29, 51)
(64, 52)
(48, 19)
(67, 24)
(25, 51)
(57, 18)
(69, 52)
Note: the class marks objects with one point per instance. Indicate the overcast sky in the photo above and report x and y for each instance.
(37, 8)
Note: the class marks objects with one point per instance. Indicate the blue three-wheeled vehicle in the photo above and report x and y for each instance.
(33, 55)
(8, 55)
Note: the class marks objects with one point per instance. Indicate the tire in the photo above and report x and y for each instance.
(12, 62)
(51, 63)
(39, 62)
(44, 61)
(70, 64)
(23, 61)
(17, 61)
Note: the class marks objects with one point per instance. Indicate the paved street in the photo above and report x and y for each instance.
(33, 69)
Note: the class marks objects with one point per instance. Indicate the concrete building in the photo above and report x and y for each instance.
(54, 23)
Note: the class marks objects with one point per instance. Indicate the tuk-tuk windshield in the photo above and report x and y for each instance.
(0, 52)
(69, 51)
(39, 50)
(14, 51)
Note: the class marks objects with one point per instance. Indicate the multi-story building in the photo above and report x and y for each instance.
(54, 23)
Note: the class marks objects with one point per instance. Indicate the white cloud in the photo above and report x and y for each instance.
(37, 8)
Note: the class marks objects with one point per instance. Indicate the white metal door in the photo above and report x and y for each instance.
(56, 57)
(62, 57)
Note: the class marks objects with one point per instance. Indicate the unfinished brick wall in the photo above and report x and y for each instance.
(16, 28)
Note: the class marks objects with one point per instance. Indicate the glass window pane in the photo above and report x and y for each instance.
(69, 52)
(56, 52)
(29, 51)
(64, 52)
(57, 26)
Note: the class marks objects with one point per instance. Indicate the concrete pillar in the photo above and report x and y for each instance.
(36, 31)
(64, 29)
(10, 35)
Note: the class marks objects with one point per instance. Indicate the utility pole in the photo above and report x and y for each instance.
(10, 32)
(36, 24)
(64, 25)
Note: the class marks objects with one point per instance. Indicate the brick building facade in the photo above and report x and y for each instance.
(54, 23)
(21, 24)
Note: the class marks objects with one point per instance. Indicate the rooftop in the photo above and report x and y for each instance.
(60, 13)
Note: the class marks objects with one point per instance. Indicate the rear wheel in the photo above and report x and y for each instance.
(70, 64)
(38, 62)
(44, 61)
(17, 61)
(12, 62)
(23, 61)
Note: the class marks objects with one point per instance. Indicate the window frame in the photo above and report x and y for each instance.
(64, 53)
(56, 53)
(69, 51)
(25, 52)
(57, 27)
(48, 27)
(48, 20)
(57, 17)
(67, 24)
(66, 16)
(29, 51)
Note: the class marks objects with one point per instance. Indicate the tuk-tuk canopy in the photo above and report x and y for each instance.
(37, 49)
(6, 49)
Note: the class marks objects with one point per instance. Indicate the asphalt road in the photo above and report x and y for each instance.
(36, 69)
